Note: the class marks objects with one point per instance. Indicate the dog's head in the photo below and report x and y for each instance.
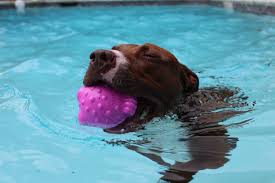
(146, 71)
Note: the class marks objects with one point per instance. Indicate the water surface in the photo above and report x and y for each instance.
(44, 54)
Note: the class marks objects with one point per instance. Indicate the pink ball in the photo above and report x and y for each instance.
(101, 106)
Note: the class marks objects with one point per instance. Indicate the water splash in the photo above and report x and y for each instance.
(20, 6)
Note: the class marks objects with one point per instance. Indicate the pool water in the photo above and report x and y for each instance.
(44, 54)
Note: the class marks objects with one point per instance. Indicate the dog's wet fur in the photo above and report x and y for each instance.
(201, 111)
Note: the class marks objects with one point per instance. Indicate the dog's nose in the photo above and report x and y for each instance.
(101, 58)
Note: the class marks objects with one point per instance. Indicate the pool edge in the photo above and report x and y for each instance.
(235, 5)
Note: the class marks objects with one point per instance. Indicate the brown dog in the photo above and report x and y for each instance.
(148, 72)
(163, 85)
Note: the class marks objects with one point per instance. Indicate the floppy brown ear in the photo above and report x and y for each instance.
(189, 80)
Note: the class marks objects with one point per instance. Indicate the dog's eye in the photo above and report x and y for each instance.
(154, 58)
(151, 56)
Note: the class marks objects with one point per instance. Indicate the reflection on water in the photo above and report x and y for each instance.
(193, 138)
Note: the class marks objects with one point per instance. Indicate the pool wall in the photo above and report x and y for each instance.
(252, 6)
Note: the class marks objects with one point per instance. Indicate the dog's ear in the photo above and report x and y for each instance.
(189, 80)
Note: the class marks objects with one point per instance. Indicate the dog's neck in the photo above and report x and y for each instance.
(194, 107)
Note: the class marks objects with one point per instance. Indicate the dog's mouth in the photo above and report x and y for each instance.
(126, 83)
(118, 86)
(123, 82)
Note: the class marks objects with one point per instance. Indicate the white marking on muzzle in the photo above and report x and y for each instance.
(120, 61)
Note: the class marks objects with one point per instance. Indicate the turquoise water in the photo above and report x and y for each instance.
(44, 54)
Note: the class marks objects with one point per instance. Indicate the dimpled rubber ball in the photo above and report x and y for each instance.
(103, 107)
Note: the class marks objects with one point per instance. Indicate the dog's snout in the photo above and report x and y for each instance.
(102, 57)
